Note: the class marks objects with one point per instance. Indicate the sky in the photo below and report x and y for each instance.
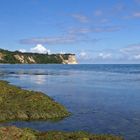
(97, 31)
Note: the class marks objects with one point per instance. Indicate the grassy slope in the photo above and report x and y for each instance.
(14, 133)
(19, 104)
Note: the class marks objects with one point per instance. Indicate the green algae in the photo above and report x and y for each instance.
(20, 104)
(14, 133)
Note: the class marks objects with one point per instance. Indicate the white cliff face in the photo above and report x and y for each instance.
(35, 58)
(22, 59)
(31, 60)
(1, 56)
(71, 60)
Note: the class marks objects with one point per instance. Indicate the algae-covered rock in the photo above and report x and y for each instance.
(14, 133)
(19, 104)
(81, 135)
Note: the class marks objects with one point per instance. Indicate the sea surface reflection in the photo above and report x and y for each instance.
(101, 98)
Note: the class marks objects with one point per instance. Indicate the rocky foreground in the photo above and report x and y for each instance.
(19, 104)
(14, 133)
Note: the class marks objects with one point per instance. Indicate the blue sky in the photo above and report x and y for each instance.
(97, 31)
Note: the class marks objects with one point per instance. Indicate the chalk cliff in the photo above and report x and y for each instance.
(35, 58)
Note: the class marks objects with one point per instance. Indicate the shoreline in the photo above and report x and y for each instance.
(16, 133)
(24, 105)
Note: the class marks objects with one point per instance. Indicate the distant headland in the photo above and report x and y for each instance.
(17, 57)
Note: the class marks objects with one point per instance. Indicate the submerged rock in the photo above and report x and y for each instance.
(14, 133)
(19, 104)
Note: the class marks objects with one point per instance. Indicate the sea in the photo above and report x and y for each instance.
(103, 98)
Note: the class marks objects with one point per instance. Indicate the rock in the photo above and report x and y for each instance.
(19, 104)
(14, 133)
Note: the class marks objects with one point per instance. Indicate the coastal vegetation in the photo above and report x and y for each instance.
(20, 104)
(17, 57)
(14, 133)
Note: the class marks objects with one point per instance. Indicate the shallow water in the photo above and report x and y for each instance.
(102, 98)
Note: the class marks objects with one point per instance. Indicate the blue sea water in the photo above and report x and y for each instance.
(101, 98)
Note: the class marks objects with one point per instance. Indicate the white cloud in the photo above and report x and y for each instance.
(39, 48)
(79, 30)
(96, 29)
(131, 49)
(22, 50)
(132, 52)
(98, 13)
(62, 52)
(83, 54)
(49, 51)
(81, 18)
(50, 40)
(104, 20)
(65, 39)
(137, 57)
(136, 14)
(105, 55)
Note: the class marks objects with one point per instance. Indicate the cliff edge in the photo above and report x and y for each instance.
(17, 57)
